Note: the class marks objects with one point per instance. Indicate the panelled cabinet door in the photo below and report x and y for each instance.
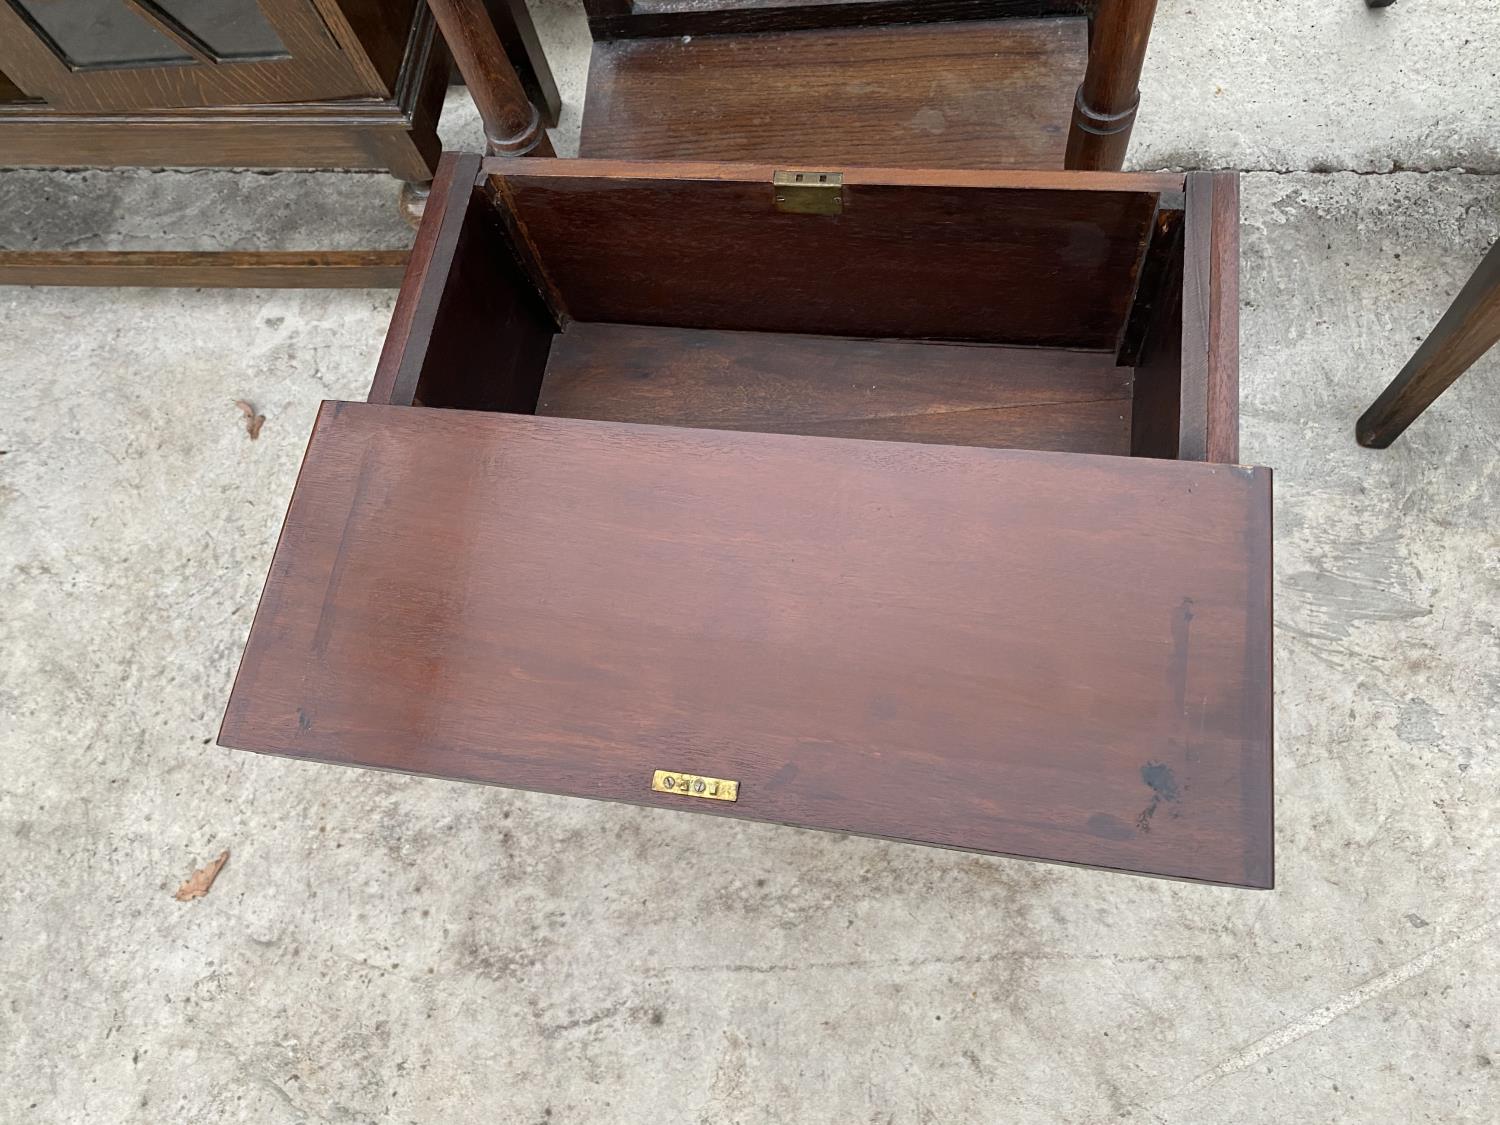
(146, 54)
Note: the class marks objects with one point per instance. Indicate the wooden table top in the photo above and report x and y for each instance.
(1047, 655)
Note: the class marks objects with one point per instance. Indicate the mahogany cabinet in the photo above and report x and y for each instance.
(892, 502)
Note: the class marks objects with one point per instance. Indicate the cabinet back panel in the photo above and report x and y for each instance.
(1046, 259)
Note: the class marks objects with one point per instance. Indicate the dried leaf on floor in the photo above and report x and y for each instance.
(253, 421)
(199, 881)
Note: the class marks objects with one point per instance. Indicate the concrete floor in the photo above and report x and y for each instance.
(384, 948)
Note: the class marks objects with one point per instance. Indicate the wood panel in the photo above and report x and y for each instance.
(993, 94)
(293, 137)
(1152, 340)
(1042, 655)
(375, 38)
(233, 269)
(1210, 419)
(610, 19)
(398, 135)
(888, 390)
(468, 330)
(1044, 259)
(428, 271)
(314, 69)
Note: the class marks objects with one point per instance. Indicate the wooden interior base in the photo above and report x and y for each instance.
(884, 390)
(972, 94)
(1067, 312)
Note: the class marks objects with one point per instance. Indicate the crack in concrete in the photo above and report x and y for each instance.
(914, 963)
(1319, 1018)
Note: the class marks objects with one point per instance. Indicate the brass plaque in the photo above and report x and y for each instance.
(691, 785)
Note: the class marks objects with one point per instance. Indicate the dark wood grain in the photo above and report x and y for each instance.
(610, 19)
(467, 330)
(428, 270)
(1210, 405)
(1183, 332)
(1156, 408)
(1469, 328)
(888, 390)
(1045, 259)
(491, 333)
(1152, 339)
(1160, 268)
(1053, 656)
(270, 269)
(960, 95)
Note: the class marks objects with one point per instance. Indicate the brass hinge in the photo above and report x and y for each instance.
(692, 785)
(809, 193)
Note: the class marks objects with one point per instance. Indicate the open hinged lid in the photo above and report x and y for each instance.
(1054, 656)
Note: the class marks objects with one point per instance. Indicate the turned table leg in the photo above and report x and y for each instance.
(512, 125)
(1469, 328)
(1104, 108)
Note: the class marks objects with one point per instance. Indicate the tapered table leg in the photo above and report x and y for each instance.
(1469, 328)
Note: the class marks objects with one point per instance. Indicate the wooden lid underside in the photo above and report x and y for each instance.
(1056, 656)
